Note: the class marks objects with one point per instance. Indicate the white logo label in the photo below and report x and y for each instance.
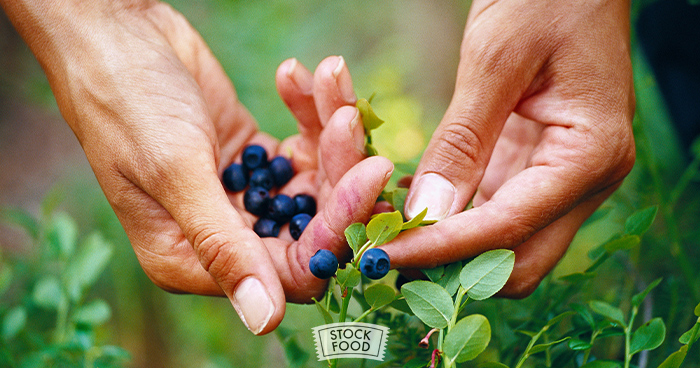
(350, 340)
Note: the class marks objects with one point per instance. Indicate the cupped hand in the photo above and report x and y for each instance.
(159, 122)
(538, 133)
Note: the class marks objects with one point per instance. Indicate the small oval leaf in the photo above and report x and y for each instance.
(468, 338)
(649, 336)
(429, 302)
(379, 295)
(486, 274)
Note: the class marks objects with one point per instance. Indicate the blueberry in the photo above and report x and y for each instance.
(281, 208)
(305, 204)
(265, 227)
(235, 178)
(256, 200)
(282, 170)
(254, 156)
(262, 177)
(323, 264)
(375, 263)
(297, 224)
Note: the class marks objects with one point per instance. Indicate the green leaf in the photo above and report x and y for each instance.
(295, 355)
(62, 234)
(356, 235)
(324, 312)
(486, 274)
(115, 352)
(608, 311)
(450, 281)
(639, 298)
(13, 322)
(48, 294)
(416, 221)
(676, 359)
(384, 227)
(95, 313)
(585, 314)
(577, 345)
(402, 306)
(370, 150)
(542, 347)
(348, 277)
(398, 199)
(639, 222)
(23, 219)
(558, 319)
(87, 264)
(429, 302)
(370, 120)
(697, 310)
(625, 242)
(685, 338)
(602, 364)
(416, 363)
(649, 336)
(434, 274)
(379, 295)
(468, 338)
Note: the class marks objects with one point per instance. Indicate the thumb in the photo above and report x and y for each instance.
(227, 248)
(490, 82)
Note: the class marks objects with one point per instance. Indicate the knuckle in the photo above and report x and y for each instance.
(215, 254)
(459, 142)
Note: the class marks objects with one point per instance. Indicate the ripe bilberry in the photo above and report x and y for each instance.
(262, 177)
(281, 208)
(323, 264)
(235, 178)
(375, 263)
(256, 201)
(281, 169)
(297, 224)
(305, 204)
(254, 156)
(265, 227)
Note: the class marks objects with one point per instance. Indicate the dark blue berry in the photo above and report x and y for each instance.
(281, 208)
(297, 224)
(256, 200)
(281, 169)
(375, 263)
(262, 177)
(265, 227)
(305, 204)
(235, 178)
(323, 264)
(254, 156)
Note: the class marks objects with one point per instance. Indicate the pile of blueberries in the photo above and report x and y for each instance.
(261, 176)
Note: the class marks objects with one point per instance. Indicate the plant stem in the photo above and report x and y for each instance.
(347, 295)
(458, 304)
(363, 315)
(360, 251)
(628, 337)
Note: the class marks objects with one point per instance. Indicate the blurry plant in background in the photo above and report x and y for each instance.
(404, 51)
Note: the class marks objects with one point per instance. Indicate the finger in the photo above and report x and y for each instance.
(226, 247)
(295, 86)
(490, 82)
(332, 87)
(342, 143)
(352, 200)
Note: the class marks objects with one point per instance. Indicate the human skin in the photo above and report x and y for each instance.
(159, 121)
(538, 133)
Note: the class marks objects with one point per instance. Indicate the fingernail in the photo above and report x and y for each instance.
(304, 81)
(358, 135)
(434, 192)
(344, 81)
(253, 304)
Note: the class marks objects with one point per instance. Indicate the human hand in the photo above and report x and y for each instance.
(159, 121)
(538, 132)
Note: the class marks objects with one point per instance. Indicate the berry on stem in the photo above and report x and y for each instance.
(323, 264)
(375, 263)
(297, 224)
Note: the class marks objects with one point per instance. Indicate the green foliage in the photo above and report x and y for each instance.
(61, 331)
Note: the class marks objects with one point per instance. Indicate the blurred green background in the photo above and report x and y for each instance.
(404, 51)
